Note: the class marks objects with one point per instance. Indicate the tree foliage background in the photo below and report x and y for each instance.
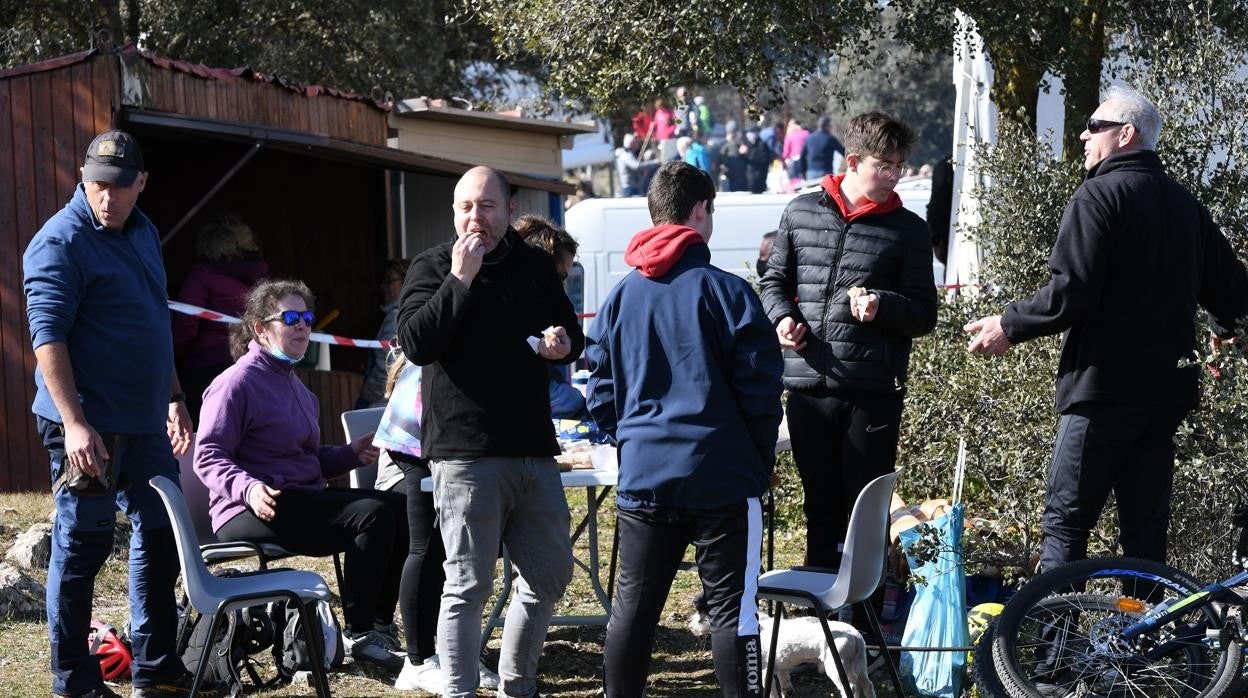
(405, 48)
(604, 52)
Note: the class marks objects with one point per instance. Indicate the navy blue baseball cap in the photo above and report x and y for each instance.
(113, 157)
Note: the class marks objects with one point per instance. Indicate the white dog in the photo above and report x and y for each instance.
(801, 641)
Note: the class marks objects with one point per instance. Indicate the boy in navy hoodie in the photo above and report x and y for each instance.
(686, 378)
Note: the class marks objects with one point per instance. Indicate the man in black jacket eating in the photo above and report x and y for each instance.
(1135, 250)
(484, 314)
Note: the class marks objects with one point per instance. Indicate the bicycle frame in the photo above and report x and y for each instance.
(1167, 611)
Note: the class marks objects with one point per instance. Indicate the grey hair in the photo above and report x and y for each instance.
(1134, 108)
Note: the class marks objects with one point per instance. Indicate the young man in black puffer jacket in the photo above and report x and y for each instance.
(848, 286)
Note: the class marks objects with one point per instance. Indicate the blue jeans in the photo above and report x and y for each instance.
(82, 538)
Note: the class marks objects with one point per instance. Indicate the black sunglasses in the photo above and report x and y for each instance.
(292, 317)
(1098, 125)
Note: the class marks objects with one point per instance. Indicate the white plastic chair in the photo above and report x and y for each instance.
(827, 591)
(355, 424)
(218, 596)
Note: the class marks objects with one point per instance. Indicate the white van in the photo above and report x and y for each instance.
(603, 228)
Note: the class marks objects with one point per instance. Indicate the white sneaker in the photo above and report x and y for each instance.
(406, 680)
(429, 677)
(426, 676)
(489, 680)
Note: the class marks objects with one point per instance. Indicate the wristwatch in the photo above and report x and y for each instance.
(177, 397)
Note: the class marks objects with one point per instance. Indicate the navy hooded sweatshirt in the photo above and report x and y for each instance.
(686, 376)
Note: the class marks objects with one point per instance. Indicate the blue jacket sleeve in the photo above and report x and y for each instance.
(600, 392)
(757, 369)
(566, 402)
(54, 286)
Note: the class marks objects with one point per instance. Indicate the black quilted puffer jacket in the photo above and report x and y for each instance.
(816, 258)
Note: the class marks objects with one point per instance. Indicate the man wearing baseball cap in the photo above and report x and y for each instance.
(111, 414)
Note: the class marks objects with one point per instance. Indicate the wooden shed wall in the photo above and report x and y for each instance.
(47, 119)
(48, 116)
(148, 86)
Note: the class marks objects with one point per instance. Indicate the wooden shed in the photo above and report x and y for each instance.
(507, 142)
(307, 167)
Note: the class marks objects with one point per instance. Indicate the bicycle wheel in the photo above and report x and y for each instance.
(1061, 635)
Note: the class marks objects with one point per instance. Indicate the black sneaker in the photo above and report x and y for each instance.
(374, 648)
(101, 691)
(178, 687)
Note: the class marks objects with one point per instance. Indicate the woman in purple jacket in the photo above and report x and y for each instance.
(259, 453)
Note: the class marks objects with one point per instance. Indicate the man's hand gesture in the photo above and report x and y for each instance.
(791, 334)
(989, 339)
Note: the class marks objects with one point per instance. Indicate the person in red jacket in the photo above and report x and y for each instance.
(848, 286)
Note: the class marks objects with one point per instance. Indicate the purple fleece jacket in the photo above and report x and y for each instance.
(259, 423)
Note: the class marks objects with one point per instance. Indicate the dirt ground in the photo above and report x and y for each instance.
(570, 666)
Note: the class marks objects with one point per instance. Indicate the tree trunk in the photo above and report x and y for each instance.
(134, 17)
(1082, 75)
(1015, 85)
(109, 17)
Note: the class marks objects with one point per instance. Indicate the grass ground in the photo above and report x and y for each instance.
(570, 666)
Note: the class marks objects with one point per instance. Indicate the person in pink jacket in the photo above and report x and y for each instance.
(794, 138)
(228, 266)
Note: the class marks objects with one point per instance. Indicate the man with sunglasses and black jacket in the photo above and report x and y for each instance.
(1135, 250)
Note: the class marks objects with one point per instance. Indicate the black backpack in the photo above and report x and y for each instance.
(290, 648)
(240, 635)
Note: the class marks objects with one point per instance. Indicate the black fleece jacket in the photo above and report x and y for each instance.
(1135, 254)
(816, 258)
(484, 389)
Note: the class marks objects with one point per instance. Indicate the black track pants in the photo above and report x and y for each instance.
(652, 543)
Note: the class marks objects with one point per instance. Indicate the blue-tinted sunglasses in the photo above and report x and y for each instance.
(291, 317)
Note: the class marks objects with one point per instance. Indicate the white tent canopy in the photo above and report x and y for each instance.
(974, 123)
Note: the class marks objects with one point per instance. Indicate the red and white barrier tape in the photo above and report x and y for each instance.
(205, 314)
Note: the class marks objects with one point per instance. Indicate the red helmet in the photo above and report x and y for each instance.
(113, 654)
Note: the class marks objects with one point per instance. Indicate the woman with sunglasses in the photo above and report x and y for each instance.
(259, 453)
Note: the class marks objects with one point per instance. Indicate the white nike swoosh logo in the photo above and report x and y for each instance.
(871, 430)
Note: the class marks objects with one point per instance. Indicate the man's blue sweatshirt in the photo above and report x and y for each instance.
(103, 294)
(686, 376)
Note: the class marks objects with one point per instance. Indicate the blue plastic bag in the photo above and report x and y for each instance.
(938, 615)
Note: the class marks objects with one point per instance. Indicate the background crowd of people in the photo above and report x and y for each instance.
(773, 155)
